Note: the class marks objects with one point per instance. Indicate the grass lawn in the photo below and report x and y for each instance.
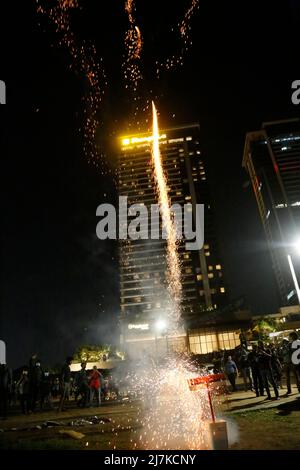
(276, 428)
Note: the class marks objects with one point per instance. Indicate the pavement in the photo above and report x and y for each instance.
(241, 401)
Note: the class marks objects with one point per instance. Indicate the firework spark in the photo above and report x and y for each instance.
(184, 29)
(85, 62)
(133, 45)
(173, 265)
(171, 416)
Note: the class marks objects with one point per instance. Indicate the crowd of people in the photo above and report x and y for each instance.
(35, 388)
(263, 367)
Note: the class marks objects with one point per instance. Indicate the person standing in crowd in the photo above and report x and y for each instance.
(31, 373)
(23, 391)
(46, 397)
(82, 383)
(245, 368)
(55, 388)
(253, 359)
(231, 372)
(65, 382)
(35, 380)
(276, 366)
(265, 367)
(95, 386)
(5, 386)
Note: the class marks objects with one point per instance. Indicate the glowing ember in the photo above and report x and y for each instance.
(184, 28)
(133, 45)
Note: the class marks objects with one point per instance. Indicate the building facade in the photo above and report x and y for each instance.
(272, 160)
(143, 296)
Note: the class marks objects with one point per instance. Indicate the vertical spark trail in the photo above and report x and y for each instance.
(173, 265)
(86, 63)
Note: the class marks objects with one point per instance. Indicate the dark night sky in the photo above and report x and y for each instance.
(54, 272)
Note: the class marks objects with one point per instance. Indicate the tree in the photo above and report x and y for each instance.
(262, 327)
(91, 353)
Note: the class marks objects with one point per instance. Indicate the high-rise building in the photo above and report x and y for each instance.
(142, 262)
(272, 159)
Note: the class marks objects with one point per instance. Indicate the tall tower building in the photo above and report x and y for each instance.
(272, 159)
(143, 292)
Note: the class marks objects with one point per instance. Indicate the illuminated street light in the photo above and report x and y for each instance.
(296, 246)
(161, 325)
(294, 276)
(160, 328)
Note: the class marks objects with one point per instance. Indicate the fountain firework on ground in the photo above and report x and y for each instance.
(172, 417)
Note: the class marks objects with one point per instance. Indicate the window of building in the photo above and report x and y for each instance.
(210, 268)
(201, 292)
(188, 270)
(218, 266)
(222, 289)
(206, 247)
(186, 255)
(188, 198)
(210, 275)
(199, 277)
(207, 253)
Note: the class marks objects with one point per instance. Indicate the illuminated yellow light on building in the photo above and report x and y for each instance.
(141, 326)
(138, 140)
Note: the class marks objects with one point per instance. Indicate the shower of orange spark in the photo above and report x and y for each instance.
(184, 28)
(85, 61)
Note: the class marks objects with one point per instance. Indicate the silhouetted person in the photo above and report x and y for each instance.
(82, 382)
(245, 368)
(23, 391)
(35, 384)
(253, 359)
(46, 397)
(65, 382)
(5, 384)
(265, 368)
(231, 372)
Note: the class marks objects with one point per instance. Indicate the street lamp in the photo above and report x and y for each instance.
(160, 326)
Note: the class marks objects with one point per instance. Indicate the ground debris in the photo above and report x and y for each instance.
(48, 424)
(71, 433)
(89, 420)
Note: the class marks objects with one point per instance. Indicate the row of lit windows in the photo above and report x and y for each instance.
(209, 275)
(212, 291)
(209, 342)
